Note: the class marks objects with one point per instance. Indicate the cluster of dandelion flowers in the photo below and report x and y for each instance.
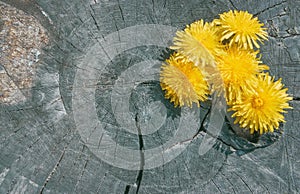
(262, 109)
(238, 69)
(199, 42)
(220, 56)
(242, 28)
(182, 81)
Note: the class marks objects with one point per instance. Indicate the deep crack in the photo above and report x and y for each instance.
(53, 171)
(268, 8)
(127, 188)
(233, 5)
(142, 157)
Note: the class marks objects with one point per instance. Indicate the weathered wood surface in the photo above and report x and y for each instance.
(42, 149)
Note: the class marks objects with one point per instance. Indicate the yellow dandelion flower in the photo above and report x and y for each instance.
(261, 110)
(240, 27)
(199, 41)
(182, 81)
(238, 69)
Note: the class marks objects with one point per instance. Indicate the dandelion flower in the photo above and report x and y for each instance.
(240, 27)
(199, 41)
(183, 81)
(261, 110)
(238, 69)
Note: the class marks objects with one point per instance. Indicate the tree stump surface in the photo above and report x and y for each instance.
(82, 111)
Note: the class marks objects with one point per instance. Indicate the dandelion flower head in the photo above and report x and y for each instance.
(238, 69)
(199, 42)
(262, 110)
(182, 81)
(240, 27)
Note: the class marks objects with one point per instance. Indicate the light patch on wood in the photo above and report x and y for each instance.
(3, 175)
(21, 40)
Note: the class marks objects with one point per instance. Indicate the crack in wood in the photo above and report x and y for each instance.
(121, 11)
(233, 5)
(127, 188)
(268, 8)
(53, 171)
(94, 19)
(232, 185)
(142, 157)
(82, 173)
(216, 186)
(246, 184)
(290, 180)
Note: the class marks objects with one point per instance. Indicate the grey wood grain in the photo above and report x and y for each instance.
(42, 151)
